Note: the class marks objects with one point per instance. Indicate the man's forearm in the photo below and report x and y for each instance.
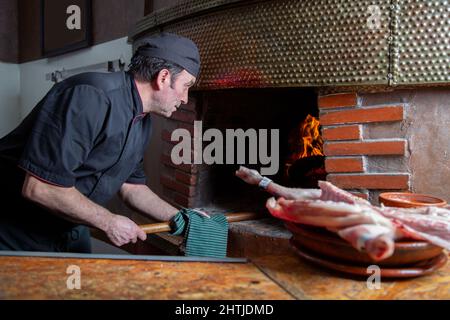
(142, 199)
(69, 203)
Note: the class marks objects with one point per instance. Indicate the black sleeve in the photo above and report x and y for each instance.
(138, 176)
(64, 133)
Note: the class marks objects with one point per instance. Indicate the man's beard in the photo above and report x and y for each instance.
(164, 109)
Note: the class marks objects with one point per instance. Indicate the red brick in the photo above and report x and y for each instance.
(354, 164)
(370, 181)
(338, 100)
(183, 116)
(177, 186)
(381, 147)
(189, 179)
(368, 115)
(186, 202)
(168, 195)
(342, 133)
(189, 168)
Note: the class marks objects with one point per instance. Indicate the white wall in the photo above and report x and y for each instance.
(9, 97)
(33, 85)
(23, 85)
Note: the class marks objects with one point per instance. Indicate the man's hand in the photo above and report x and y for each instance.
(121, 230)
(248, 175)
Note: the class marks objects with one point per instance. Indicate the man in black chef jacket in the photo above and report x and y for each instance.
(83, 143)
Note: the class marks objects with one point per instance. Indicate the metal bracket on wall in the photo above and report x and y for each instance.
(108, 66)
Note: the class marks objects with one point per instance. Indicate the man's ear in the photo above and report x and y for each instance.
(163, 78)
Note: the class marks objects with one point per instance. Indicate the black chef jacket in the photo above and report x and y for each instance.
(88, 132)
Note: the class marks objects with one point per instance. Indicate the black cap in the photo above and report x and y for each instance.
(173, 48)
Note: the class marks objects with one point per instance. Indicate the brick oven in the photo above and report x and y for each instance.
(375, 75)
(213, 186)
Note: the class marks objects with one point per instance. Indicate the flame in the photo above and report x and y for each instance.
(309, 141)
(305, 141)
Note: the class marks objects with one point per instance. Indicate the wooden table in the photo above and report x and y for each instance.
(270, 277)
(307, 281)
(46, 278)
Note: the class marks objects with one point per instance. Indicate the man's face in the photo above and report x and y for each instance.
(172, 93)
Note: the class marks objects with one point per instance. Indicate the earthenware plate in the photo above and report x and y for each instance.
(328, 244)
(410, 200)
(419, 269)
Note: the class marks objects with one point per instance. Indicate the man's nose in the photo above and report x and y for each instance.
(184, 99)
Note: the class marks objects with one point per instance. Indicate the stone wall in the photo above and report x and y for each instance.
(426, 127)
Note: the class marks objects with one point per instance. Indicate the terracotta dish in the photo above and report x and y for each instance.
(410, 200)
(327, 244)
(418, 269)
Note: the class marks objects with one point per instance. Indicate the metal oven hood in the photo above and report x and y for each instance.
(296, 43)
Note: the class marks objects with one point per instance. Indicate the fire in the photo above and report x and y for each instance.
(305, 141)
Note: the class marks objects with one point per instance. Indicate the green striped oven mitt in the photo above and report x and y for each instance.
(203, 237)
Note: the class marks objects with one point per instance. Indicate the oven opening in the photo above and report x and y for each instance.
(299, 155)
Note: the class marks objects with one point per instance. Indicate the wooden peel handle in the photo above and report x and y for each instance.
(156, 227)
(165, 227)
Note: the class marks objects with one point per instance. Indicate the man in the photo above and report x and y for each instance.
(83, 143)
